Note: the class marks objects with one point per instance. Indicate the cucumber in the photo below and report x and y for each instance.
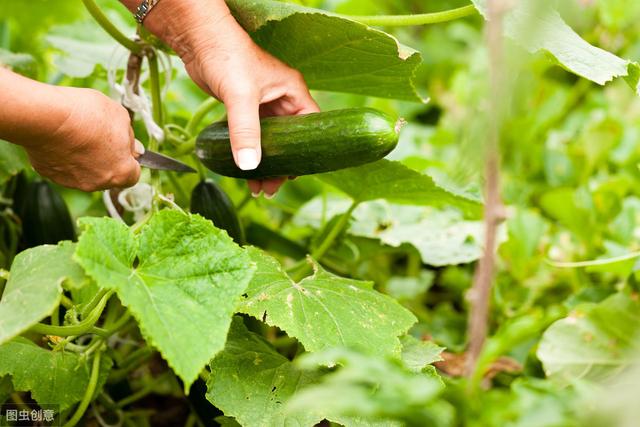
(45, 216)
(305, 144)
(210, 201)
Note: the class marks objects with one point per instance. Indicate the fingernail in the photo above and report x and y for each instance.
(138, 148)
(255, 195)
(247, 159)
(269, 196)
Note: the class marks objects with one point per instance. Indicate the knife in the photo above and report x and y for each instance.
(153, 160)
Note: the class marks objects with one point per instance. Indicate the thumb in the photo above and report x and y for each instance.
(244, 131)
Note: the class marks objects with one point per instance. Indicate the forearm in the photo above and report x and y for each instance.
(184, 24)
(29, 110)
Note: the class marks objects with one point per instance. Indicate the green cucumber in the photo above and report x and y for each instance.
(210, 201)
(305, 144)
(45, 216)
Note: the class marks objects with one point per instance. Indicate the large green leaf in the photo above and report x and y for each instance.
(35, 285)
(13, 159)
(251, 381)
(51, 376)
(536, 26)
(594, 342)
(390, 180)
(325, 310)
(333, 53)
(180, 277)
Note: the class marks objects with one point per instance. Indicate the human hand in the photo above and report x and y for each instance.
(252, 84)
(222, 59)
(92, 149)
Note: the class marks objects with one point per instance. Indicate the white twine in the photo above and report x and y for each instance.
(108, 203)
(137, 199)
(126, 93)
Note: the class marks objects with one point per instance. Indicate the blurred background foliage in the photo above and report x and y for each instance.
(570, 155)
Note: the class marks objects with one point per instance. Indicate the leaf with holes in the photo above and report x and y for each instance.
(179, 276)
(325, 310)
(252, 382)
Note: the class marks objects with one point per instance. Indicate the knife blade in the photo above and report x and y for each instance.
(153, 160)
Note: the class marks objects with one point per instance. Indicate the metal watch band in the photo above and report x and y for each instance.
(143, 10)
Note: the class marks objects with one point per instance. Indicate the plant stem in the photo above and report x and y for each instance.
(88, 394)
(154, 79)
(149, 388)
(120, 323)
(108, 26)
(337, 229)
(203, 109)
(419, 19)
(480, 294)
(156, 100)
(301, 268)
(85, 326)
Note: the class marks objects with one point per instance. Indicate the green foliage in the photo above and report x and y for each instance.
(396, 183)
(377, 389)
(594, 342)
(251, 381)
(352, 334)
(324, 310)
(51, 376)
(35, 285)
(371, 62)
(179, 276)
(538, 27)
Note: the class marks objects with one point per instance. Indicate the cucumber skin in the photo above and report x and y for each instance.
(210, 201)
(45, 216)
(305, 144)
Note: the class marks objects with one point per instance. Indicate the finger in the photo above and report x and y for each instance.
(306, 104)
(270, 186)
(255, 187)
(138, 148)
(244, 131)
(129, 174)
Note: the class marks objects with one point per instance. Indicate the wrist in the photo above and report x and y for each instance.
(33, 112)
(187, 25)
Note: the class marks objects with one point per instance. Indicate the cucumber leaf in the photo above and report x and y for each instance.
(52, 377)
(35, 285)
(332, 52)
(179, 276)
(325, 310)
(394, 182)
(536, 26)
(595, 342)
(251, 381)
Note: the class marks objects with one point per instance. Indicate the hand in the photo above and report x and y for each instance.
(252, 84)
(92, 149)
(223, 60)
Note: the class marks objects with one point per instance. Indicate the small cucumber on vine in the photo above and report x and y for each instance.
(210, 201)
(305, 144)
(45, 216)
